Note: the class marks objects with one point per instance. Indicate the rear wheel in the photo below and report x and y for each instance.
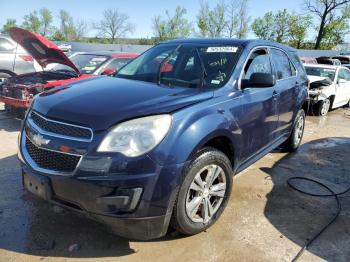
(204, 192)
(293, 142)
(322, 107)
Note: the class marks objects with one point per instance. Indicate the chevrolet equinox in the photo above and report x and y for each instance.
(159, 143)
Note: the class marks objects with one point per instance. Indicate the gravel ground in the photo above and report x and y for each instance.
(264, 221)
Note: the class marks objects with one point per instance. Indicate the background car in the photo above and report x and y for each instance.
(328, 61)
(18, 91)
(14, 59)
(308, 60)
(329, 87)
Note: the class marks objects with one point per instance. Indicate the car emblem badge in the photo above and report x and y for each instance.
(39, 140)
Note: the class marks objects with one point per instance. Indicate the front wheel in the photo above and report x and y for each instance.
(322, 107)
(293, 142)
(204, 192)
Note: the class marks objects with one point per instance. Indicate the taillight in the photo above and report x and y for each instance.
(27, 58)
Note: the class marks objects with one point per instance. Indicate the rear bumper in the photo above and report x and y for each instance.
(20, 103)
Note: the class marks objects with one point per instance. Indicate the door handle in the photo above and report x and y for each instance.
(274, 95)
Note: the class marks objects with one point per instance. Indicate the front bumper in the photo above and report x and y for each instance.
(136, 205)
(20, 103)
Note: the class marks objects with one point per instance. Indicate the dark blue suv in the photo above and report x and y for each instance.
(159, 143)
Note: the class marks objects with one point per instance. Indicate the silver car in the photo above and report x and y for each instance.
(14, 60)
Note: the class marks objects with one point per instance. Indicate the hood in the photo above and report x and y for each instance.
(101, 102)
(44, 51)
(317, 78)
(317, 82)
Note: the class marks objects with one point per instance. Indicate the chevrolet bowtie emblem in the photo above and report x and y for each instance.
(39, 140)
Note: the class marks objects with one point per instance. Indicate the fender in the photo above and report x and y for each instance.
(195, 130)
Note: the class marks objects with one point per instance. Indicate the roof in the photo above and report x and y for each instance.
(230, 41)
(114, 54)
(323, 66)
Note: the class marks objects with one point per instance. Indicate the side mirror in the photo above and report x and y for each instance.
(259, 80)
(109, 71)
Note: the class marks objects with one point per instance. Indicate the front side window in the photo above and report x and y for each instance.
(186, 65)
(258, 62)
(282, 65)
(319, 71)
(344, 74)
(5, 45)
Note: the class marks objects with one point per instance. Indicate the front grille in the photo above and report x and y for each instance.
(51, 160)
(61, 128)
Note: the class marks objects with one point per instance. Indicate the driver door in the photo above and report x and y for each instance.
(342, 95)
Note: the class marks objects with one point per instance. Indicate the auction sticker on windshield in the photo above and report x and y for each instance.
(222, 49)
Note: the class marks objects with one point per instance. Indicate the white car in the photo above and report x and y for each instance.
(329, 87)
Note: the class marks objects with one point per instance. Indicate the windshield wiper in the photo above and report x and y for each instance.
(166, 59)
(204, 71)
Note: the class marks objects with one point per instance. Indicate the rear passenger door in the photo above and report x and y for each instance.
(286, 88)
(342, 95)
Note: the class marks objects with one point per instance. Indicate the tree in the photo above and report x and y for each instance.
(114, 25)
(172, 26)
(45, 21)
(298, 26)
(335, 30)
(324, 10)
(281, 26)
(213, 22)
(8, 25)
(243, 19)
(264, 27)
(32, 22)
(69, 30)
(203, 19)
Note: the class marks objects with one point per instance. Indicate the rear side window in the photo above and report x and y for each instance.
(258, 62)
(5, 45)
(284, 68)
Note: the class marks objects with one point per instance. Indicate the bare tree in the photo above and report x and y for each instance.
(172, 26)
(114, 25)
(212, 22)
(243, 19)
(324, 9)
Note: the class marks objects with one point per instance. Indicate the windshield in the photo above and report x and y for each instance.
(187, 65)
(86, 63)
(322, 72)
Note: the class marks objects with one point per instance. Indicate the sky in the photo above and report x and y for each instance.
(140, 12)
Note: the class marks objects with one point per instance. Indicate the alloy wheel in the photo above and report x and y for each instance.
(205, 194)
(325, 107)
(299, 130)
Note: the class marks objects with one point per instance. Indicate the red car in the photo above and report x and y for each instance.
(17, 92)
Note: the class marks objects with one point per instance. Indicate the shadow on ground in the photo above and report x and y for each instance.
(299, 217)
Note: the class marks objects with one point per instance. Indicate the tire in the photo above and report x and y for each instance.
(293, 142)
(322, 107)
(191, 221)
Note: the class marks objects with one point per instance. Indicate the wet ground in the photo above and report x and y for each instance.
(264, 221)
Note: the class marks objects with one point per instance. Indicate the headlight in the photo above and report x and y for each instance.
(136, 137)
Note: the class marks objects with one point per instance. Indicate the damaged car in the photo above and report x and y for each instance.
(329, 87)
(158, 144)
(17, 92)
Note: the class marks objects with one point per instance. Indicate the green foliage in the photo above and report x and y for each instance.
(264, 28)
(8, 25)
(211, 23)
(283, 27)
(45, 18)
(335, 30)
(32, 22)
(172, 26)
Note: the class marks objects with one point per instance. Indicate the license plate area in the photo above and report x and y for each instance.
(38, 185)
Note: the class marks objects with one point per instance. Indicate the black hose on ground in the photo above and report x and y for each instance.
(332, 194)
